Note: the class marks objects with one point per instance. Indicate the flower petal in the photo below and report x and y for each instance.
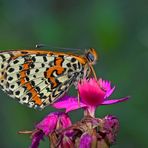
(91, 93)
(68, 103)
(85, 141)
(48, 124)
(54, 121)
(66, 142)
(64, 120)
(108, 93)
(111, 128)
(108, 102)
(36, 138)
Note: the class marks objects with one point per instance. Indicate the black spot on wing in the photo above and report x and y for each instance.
(10, 78)
(17, 93)
(3, 58)
(55, 94)
(29, 95)
(75, 66)
(18, 75)
(11, 70)
(70, 71)
(33, 59)
(79, 66)
(24, 98)
(45, 58)
(68, 65)
(15, 61)
(2, 66)
(20, 67)
(32, 65)
(27, 79)
(32, 83)
(37, 70)
(43, 65)
(34, 76)
(18, 83)
(48, 89)
(28, 72)
(38, 88)
(73, 60)
(12, 86)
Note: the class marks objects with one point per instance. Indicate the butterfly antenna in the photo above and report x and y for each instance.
(76, 50)
(40, 46)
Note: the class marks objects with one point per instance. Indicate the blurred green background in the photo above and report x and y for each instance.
(117, 29)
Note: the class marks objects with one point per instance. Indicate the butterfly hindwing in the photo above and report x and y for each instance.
(38, 78)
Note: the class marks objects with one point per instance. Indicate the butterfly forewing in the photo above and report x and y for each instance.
(38, 78)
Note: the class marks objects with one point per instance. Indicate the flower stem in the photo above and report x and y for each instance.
(89, 112)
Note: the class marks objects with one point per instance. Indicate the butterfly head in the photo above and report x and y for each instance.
(91, 55)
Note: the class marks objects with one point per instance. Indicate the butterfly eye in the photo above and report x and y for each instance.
(90, 57)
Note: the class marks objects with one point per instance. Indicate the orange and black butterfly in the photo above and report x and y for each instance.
(38, 78)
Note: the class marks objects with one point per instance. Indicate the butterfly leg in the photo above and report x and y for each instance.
(93, 72)
(78, 99)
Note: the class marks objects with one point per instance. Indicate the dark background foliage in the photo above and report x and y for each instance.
(117, 29)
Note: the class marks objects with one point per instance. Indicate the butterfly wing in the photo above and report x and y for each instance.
(38, 78)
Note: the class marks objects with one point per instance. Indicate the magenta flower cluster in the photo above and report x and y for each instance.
(90, 132)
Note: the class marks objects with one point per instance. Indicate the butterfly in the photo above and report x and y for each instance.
(38, 78)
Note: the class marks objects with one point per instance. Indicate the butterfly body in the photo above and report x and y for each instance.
(38, 78)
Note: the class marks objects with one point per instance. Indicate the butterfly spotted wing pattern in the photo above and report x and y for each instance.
(39, 78)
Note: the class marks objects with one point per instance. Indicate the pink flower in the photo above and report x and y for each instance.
(36, 138)
(93, 93)
(110, 127)
(85, 141)
(48, 125)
